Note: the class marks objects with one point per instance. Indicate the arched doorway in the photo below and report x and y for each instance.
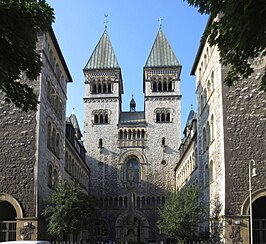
(259, 220)
(8, 223)
(135, 232)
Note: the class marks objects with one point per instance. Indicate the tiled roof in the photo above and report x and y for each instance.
(132, 118)
(103, 56)
(161, 54)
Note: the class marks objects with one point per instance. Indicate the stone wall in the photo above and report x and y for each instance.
(245, 137)
(17, 154)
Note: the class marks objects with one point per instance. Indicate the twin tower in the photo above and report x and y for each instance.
(132, 155)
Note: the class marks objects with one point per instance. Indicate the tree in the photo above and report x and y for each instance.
(181, 214)
(239, 33)
(70, 211)
(20, 23)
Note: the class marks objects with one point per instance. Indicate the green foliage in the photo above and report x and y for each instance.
(181, 214)
(239, 33)
(20, 23)
(70, 210)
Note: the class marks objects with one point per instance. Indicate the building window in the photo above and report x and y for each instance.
(101, 117)
(162, 115)
(204, 140)
(211, 172)
(132, 171)
(212, 129)
(50, 175)
(100, 143)
(206, 175)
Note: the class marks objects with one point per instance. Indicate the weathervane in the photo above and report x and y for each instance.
(160, 22)
(105, 21)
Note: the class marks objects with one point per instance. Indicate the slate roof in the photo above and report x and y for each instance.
(103, 56)
(161, 55)
(132, 118)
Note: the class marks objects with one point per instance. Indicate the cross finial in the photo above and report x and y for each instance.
(191, 105)
(105, 21)
(160, 22)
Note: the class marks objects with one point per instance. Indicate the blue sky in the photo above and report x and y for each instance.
(132, 28)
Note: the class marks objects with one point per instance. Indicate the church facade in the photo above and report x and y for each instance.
(132, 154)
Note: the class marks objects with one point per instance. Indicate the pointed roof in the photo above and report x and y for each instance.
(161, 55)
(74, 121)
(103, 56)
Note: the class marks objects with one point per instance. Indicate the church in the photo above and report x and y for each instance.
(132, 154)
(133, 160)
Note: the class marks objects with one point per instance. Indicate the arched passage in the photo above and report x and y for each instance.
(258, 214)
(136, 232)
(259, 220)
(10, 210)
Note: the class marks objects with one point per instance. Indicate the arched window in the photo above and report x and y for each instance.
(165, 86)
(205, 96)
(100, 143)
(154, 86)
(104, 88)
(138, 202)
(204, 139)
(49, 135)
(138, 134)
(211, 172)
(106, 119)
(120, 136)
(206, 175)
(170, 86)
(168, 117)
(163, 117)
(66, 161)
(208, 139)
(48, 90)
(96, 119)
(50, 175)
(208, 89)
(125, 202)
(120, 202)
(53, 140)
(132, 170)
(159, 86)
(101, 119)
(94, 88)
(148, 202)
(125, 134)
(142, 134)
(99, 88)
(157, 117)
(115, 202)
(57, 144)
(163, 142)
(205, 60)
(212, 80)
(56, 179)
(134, 134)
(201, 103)
(143, 202)
(109, 88)
(212, 129)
